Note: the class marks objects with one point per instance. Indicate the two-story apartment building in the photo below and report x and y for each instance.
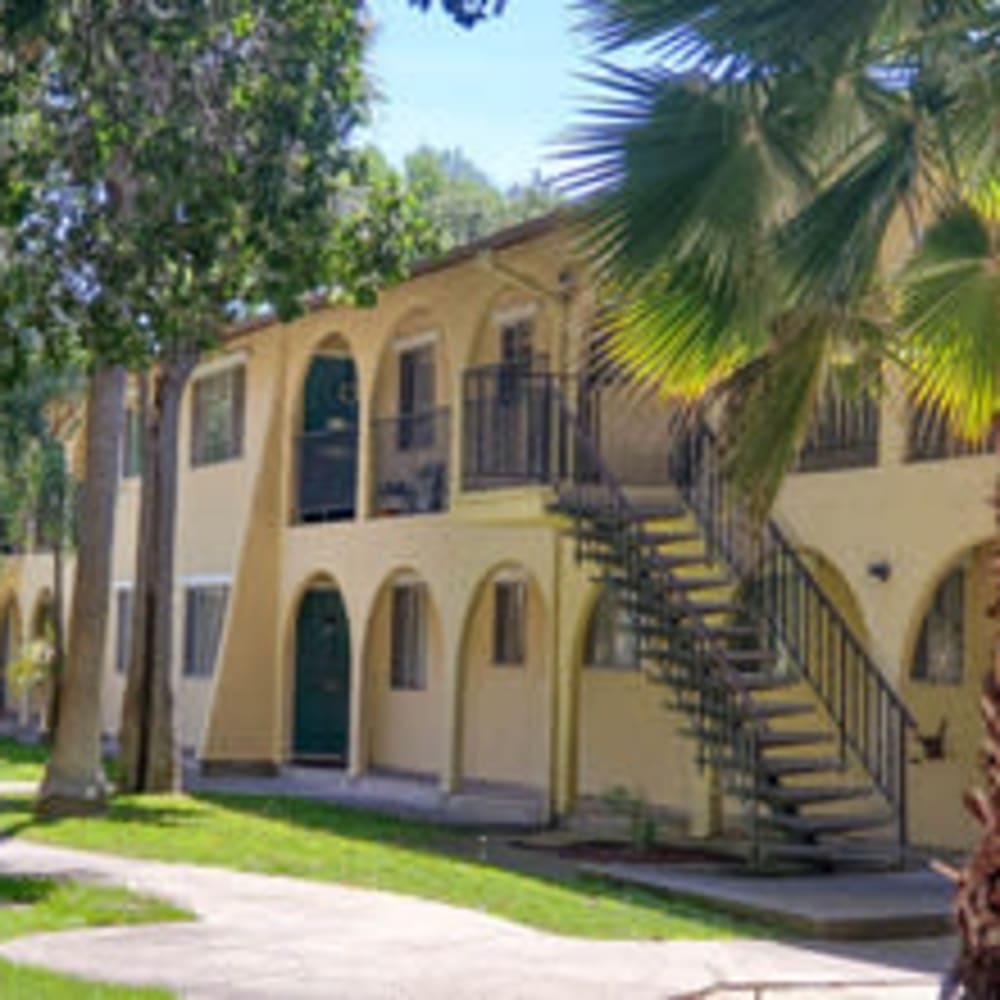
(425, 538)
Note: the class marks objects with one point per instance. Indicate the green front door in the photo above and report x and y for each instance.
(322, 677)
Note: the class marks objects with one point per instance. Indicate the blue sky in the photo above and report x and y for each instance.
(503, 92)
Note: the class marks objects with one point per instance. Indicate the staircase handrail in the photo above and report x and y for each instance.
(871, 717)
(746, 729)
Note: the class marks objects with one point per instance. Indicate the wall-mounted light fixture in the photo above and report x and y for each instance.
(880, 569)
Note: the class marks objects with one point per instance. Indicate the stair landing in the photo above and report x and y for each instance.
(842, 906)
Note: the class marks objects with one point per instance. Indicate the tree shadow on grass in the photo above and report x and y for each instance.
(17, 817)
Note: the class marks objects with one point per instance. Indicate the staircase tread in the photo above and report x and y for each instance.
(670, 537)
(699, 582)
(748, 655)
(831, 823)
(781, 709)
(794, 737)
(812, 794)
(780, 766)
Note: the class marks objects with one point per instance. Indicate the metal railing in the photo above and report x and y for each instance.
(929, 437)
(844, 434)
(510, 432)
(410, 466)
(870, 717)
(706, 687)
(328, 475)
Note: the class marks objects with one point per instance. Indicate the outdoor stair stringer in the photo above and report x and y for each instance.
(804, 798)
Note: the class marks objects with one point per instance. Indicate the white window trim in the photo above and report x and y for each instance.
(123, 585)
(208, 580)
(515, 314)
(512, 575)
(410, 342)
(216, 366)
(408, 578)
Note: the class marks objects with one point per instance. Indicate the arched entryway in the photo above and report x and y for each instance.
(328, 445)
(627, 738)
(405, 678)
(949, 648)
(322, 689)
(505, 691)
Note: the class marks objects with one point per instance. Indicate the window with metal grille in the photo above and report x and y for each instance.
(408, 669)
(509, 622)
(204, 616)
(132, 444)
(611, 642)
(217, 416)
(941, 643)
(124, 603)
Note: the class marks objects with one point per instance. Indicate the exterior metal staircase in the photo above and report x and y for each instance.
(781, 699)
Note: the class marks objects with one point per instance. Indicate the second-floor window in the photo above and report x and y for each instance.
(416, 397)
(217, 405)
(204, 616)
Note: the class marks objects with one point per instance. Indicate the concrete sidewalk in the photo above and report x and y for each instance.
(261, 936)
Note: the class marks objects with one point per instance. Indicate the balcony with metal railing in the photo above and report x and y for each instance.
(327, 475)
(509, 432)
(844, 434)
(930, 439)
(411, 463)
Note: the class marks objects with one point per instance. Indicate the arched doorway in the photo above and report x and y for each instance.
(505, 696)
(322, 708)
(328, 452)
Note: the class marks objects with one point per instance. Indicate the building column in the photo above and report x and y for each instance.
(359, 740)
(566, 684)
(450, 780)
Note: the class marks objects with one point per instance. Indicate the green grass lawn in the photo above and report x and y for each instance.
(33, 906)
(326, 843)
(19, 762)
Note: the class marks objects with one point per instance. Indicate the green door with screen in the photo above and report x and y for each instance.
(328, 461)
(322, 677)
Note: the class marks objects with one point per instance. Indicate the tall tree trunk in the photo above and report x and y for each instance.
(74, 779)
(150, 751)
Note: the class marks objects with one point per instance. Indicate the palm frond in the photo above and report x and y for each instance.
(830, 250)
(735, 35)
(950, 304)
(770, 406)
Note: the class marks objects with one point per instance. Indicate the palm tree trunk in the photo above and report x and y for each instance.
(150, 751)
(74, 779)
(976, 974)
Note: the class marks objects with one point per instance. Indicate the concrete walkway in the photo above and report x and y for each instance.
(261, 936)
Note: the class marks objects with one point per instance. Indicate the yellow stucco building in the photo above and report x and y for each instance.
(373, 572)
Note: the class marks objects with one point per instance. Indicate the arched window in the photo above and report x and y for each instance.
(941, 643)
(611, 642)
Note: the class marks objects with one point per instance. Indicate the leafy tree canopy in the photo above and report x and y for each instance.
(463, 203)
(467, 13)
(165, 164)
